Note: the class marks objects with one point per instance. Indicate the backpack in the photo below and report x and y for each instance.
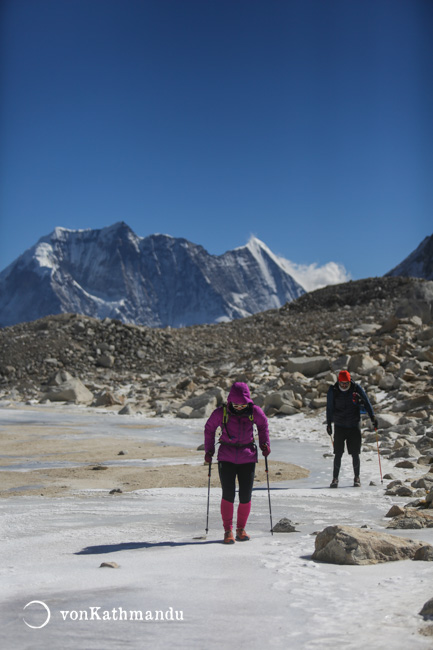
(224, 428)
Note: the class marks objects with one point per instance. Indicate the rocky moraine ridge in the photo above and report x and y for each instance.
(381, 329)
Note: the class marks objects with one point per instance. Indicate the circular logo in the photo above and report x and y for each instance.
(47, 609)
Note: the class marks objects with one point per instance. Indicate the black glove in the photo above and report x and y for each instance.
(375, 422)
(329, 430)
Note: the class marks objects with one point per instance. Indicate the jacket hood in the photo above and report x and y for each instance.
(239, 393)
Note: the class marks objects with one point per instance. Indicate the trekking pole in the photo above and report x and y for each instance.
(269, 493)
(378, 455)
(208, 496)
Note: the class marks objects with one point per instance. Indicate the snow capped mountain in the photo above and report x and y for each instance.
(156, 281)
(419, 264)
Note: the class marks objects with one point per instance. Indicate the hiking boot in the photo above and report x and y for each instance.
(356, 482)
(334, 483)
(229, 537)
(241, 535)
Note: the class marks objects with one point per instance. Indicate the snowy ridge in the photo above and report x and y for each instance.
(419, 264)
(156, 281)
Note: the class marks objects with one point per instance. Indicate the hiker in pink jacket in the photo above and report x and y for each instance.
(237, 454)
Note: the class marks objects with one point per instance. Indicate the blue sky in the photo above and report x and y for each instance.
(307, 123)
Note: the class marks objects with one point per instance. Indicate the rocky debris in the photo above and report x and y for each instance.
(412, 519)
(284, 526)
(106, 398)
(400, 491)
(288, 356)
(425, 482)
(356, 546)
(420, 487)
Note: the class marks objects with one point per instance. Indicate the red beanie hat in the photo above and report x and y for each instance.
(344, 375)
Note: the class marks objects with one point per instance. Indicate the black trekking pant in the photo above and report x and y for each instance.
(245, 475)
(352, 437)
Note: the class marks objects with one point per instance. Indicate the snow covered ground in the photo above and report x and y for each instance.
(266, 593)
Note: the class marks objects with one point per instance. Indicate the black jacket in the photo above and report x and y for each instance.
(343, 408)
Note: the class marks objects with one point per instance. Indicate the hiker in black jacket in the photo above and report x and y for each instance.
(343, 408)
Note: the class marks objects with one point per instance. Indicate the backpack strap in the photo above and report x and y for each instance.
(226, 419)
(225, 414)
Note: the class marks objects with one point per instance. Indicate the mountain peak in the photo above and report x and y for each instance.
(419, 264)
(155, 281)
(253, 244)
(118, 227)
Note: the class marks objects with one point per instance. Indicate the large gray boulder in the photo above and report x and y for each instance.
(414, 403)
(362, 363)
(386, 420)
(341, 363)
(71, 390)
(357, 546)
(201, 406)
(387, 381)
(284, 402)
(308, 366)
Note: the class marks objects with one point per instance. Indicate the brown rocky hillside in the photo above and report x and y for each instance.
(379, 328)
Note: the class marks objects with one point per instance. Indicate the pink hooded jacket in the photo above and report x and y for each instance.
(238, 430)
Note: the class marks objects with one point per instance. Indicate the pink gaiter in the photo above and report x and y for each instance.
(244, 510)
(227, 514)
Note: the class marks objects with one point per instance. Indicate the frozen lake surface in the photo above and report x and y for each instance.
(266, 593)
